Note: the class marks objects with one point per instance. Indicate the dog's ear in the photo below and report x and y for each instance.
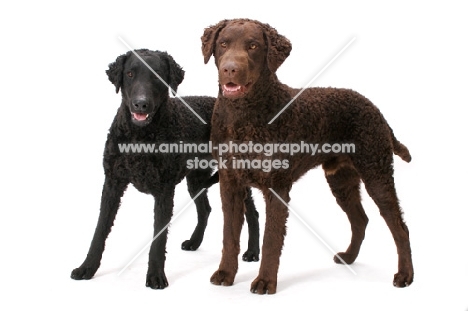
(115, 71)
(176, 73)
(279, 47)
(209, 38)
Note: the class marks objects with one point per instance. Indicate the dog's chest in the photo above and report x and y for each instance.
(153, 172)
(247, 153)
(141, 162)
(247, 127)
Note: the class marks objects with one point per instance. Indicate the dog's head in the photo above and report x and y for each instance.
(243, 50)
(142, 90)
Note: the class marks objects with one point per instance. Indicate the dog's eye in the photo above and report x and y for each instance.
(223, 44)
(130, 74)
(252, 46)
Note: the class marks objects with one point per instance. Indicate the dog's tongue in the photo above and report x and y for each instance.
(140, 116)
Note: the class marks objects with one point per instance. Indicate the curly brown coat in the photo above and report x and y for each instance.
(247, 54)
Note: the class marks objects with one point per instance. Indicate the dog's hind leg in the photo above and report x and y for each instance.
(251, 215)
(378, 179)
(163, 207)
(110, 200)
(195, 182)
(345, 186)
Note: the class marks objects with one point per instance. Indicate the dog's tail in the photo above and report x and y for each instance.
(400, 149)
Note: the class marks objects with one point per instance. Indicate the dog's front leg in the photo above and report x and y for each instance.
(232, 199)
(163, 207)
(112, 192)
(275, 230)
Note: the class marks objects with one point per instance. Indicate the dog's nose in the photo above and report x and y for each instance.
(140, 104)
(230, 69)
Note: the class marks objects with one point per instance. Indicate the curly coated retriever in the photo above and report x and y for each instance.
(247, 54)
(148, 115)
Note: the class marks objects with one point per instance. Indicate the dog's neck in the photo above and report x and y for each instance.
(245, 118)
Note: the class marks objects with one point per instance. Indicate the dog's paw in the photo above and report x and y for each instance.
(261, 286)
(251, 256)
(190, 245)
(222, 277)
(346, 257)
(402, 279)
(156, 280)
(83, 273)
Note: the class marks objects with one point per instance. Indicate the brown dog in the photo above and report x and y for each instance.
(247, 54)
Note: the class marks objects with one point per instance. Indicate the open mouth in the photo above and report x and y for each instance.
(232, 90)
(140, 116)
(141, 119)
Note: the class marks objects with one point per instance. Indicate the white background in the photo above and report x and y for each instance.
(57, 104)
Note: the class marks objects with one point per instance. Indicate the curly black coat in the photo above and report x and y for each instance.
(148, 115)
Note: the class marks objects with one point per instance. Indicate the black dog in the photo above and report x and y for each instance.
(148, 115)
